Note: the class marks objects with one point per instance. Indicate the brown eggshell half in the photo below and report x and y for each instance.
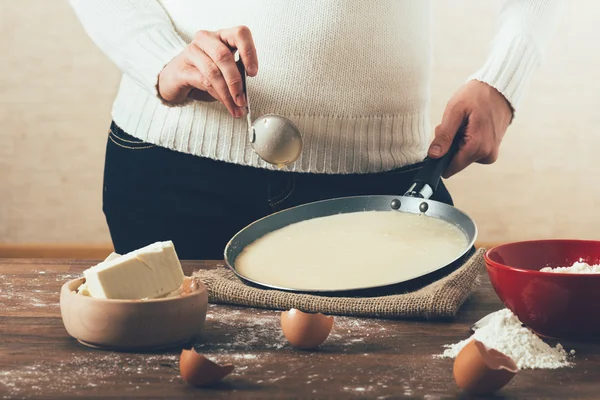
(480, 370)
(304, 330)
(189, 285)
(198, 370)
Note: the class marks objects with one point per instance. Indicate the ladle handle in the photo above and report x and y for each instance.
(242, 69)
(428, 178)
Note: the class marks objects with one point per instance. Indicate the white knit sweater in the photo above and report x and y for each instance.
(354, 75)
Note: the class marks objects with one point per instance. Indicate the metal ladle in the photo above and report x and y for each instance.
(274, 138)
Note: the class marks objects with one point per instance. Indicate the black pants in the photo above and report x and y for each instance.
(152, 194)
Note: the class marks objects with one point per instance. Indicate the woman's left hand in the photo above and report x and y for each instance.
(487, 114)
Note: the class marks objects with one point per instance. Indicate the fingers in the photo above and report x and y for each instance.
(202, 90)
(224, 71)
(241, 38)
(490, 158)
(465, 155)
(211, 78)
(214, 74)
(454, 116)
(486, 115)
(477, 145)
(199, 84)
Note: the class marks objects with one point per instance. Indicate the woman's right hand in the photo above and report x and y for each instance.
(206, 70)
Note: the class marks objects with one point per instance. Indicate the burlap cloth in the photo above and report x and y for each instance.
(440, 299)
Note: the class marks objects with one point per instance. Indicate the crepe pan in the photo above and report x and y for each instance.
(415, 201)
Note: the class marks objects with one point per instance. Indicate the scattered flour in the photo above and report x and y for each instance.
(578, 267)
(40, 292)
(87, 372)
(504, 332)
(232, 336)
(260, 330)
(358, 389)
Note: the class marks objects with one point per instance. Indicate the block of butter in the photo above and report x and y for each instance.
(150, 272)
(83, 288)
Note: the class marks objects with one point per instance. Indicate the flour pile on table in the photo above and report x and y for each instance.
(578, 267)
(504, 332)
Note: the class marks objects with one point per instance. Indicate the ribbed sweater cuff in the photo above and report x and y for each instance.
(509, 67)
(150, 52)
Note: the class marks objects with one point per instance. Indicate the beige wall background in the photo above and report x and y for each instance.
(56, 90)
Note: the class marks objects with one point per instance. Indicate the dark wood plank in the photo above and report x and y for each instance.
(363, 358)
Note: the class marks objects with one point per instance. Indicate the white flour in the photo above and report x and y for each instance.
(504, 332)
(578, 267)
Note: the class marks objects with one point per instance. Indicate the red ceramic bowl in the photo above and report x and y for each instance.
(554, 305)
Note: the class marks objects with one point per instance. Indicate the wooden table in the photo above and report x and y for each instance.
(362, 358)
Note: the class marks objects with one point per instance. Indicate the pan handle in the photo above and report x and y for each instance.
(428, 178)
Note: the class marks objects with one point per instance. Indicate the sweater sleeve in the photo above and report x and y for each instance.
(137, 35)
(518, 47)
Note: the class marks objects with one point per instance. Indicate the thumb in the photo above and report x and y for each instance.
(445, 132)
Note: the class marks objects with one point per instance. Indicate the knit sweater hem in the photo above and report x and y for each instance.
(332, 144)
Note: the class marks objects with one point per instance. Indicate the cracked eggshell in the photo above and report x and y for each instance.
(480, 370)
(198, 370)
(304, 330)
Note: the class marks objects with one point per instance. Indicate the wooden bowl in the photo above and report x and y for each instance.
(133, 325)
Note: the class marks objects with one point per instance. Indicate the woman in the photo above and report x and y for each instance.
(353, 75)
